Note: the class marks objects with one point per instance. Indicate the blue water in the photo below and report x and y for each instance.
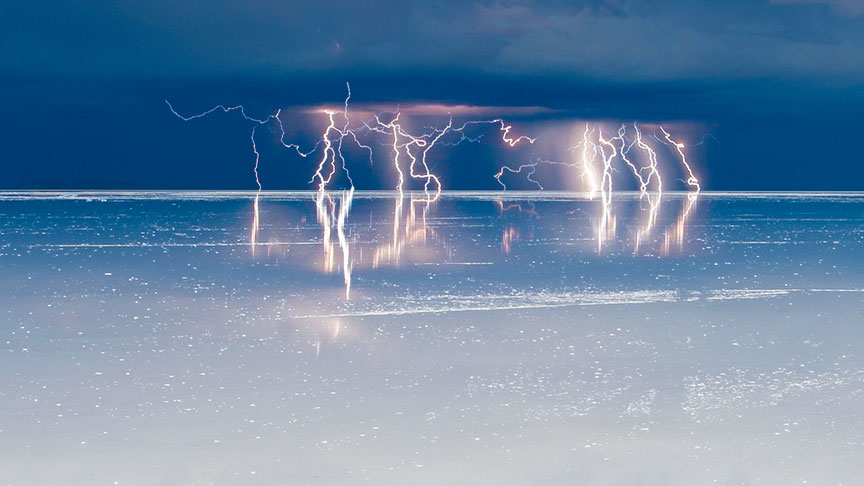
(360, 338)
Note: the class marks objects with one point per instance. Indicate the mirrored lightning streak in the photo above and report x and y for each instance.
(509, 235)
(325, 209)
(504, 207)
(676, 234)
(409, 231)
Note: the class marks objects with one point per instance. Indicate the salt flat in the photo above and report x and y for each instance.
(483, 338)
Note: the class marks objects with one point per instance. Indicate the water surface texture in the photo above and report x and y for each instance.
(361, 338)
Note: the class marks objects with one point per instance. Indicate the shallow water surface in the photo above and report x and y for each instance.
(363, 338)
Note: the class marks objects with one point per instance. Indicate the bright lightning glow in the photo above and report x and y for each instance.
(588, 163)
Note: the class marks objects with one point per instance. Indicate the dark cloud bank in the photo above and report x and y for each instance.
(780, 84)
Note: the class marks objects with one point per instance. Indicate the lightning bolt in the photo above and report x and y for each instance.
(328, 155)
(532, 169)
(691, 196)
(416, 149)
(679, 147)
(427, 175)
(588, 162)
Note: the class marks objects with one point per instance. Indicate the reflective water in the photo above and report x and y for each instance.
(351, 338)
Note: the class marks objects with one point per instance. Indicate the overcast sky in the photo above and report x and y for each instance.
(779, 84)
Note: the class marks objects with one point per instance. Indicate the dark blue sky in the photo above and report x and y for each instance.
(780, 83)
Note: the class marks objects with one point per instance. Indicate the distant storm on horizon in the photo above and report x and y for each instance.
(593, 155)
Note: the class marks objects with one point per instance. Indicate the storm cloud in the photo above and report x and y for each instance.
(84, 81)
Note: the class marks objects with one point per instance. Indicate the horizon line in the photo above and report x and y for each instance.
(7, 194)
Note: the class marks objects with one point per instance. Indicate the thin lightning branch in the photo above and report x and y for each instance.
(343, 132)
(216, 108)
(532, 166)
(428, 175)
(623, 149)
(328, 155)
(292, 145)
(505, 129)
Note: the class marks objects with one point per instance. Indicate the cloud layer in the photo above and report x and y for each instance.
(779, 82)
(607, 40)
